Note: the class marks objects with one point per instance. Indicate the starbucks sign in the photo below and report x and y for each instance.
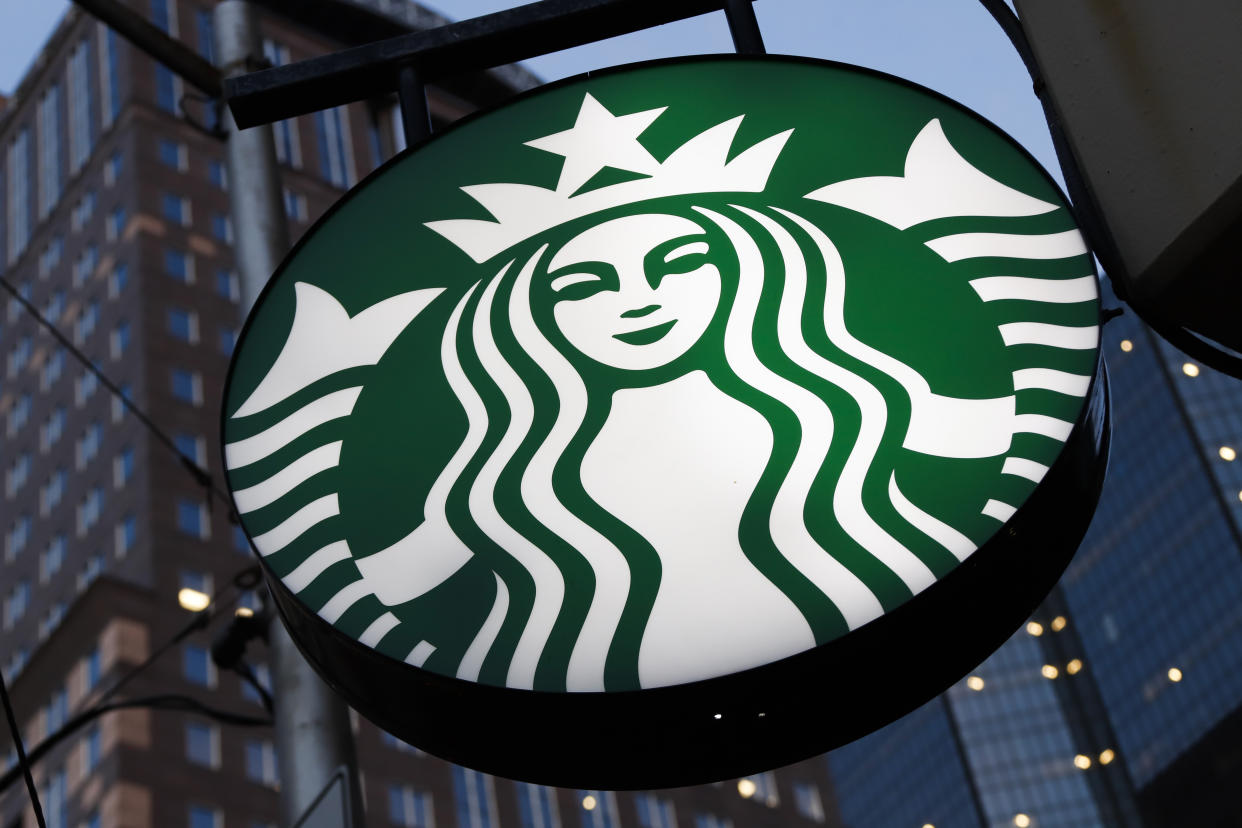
(674, 422)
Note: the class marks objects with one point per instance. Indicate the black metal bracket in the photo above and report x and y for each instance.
(479, 43)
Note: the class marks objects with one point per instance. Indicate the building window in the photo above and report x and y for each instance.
(126, 535)
(83, 211)
(123, 467)
(216, 174)
(52, 491)
(240, 542)
(57, 710)
(476, 802)
(90, 571)
(88, 319)
(654, 812)
(261, 763)
(227, 341)
(176, 209)
(202, 744)
(16, 603)
(705, 820)
(16, 538)
(87, 447)
(17, 475)
(409, 808)
(173, 154)
(79, 107)
(537, 806)
(55, 306)
(50, 257)
(114, 224)
(167, 89)
(285, 133)
(18, 212)
(85, 387)
(263, 675)
(295, 205)
(52, 430)
(117, 280)
(50, 181)
(192, 519)
(112, 169)
(197, 667)
(110, 88)
(18, 415)
(190, 445)
(90, 510)
(187, 386)
(599, 809)
(92, 750)
(52, 559)
(19, 356)
(808, 802)
(52, 369)
(336, 163)
(85, 265)
(56, 801)
(93, 668)
(227, 285)
(179, 265)
(118, 402)
(222, 228)
(183, 324)
(201, 816)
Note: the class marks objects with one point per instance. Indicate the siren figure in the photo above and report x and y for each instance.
(630, 315)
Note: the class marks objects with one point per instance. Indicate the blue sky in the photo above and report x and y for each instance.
(951, 46)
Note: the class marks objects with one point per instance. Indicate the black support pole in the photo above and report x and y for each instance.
(412, 93)
(744, 27)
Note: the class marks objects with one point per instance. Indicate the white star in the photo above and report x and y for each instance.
(600, 139)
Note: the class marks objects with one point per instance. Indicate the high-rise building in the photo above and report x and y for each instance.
(1120, 701)
(114, 224)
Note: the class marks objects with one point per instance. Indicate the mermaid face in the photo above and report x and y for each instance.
(635, 292)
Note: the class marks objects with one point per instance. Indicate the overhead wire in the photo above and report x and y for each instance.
(244, 579)
(201, 476)
(23, 761)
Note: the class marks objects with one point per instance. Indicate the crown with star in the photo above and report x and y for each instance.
(599, 139)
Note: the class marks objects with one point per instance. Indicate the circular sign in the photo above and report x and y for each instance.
(673, 422)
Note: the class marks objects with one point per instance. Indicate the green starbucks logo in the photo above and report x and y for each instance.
(634, 385)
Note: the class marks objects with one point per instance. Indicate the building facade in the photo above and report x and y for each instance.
(1119, 702)
(114, 224)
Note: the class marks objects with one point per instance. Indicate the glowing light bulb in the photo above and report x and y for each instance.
(1058, 623)
(1021, 820)
(1175, 674)
(1107, 756)
(1227, 453)
(193, 600)
(746, 787)
(1190, 369)
(1048, 671)
(1035, 628)
(589, 803)
(975, 683)
(1074, 666)
(1127, 345)
(1082, 761)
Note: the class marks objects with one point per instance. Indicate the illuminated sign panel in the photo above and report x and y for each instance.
(672, 423)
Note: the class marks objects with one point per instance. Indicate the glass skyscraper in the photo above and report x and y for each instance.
(1131, 666)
